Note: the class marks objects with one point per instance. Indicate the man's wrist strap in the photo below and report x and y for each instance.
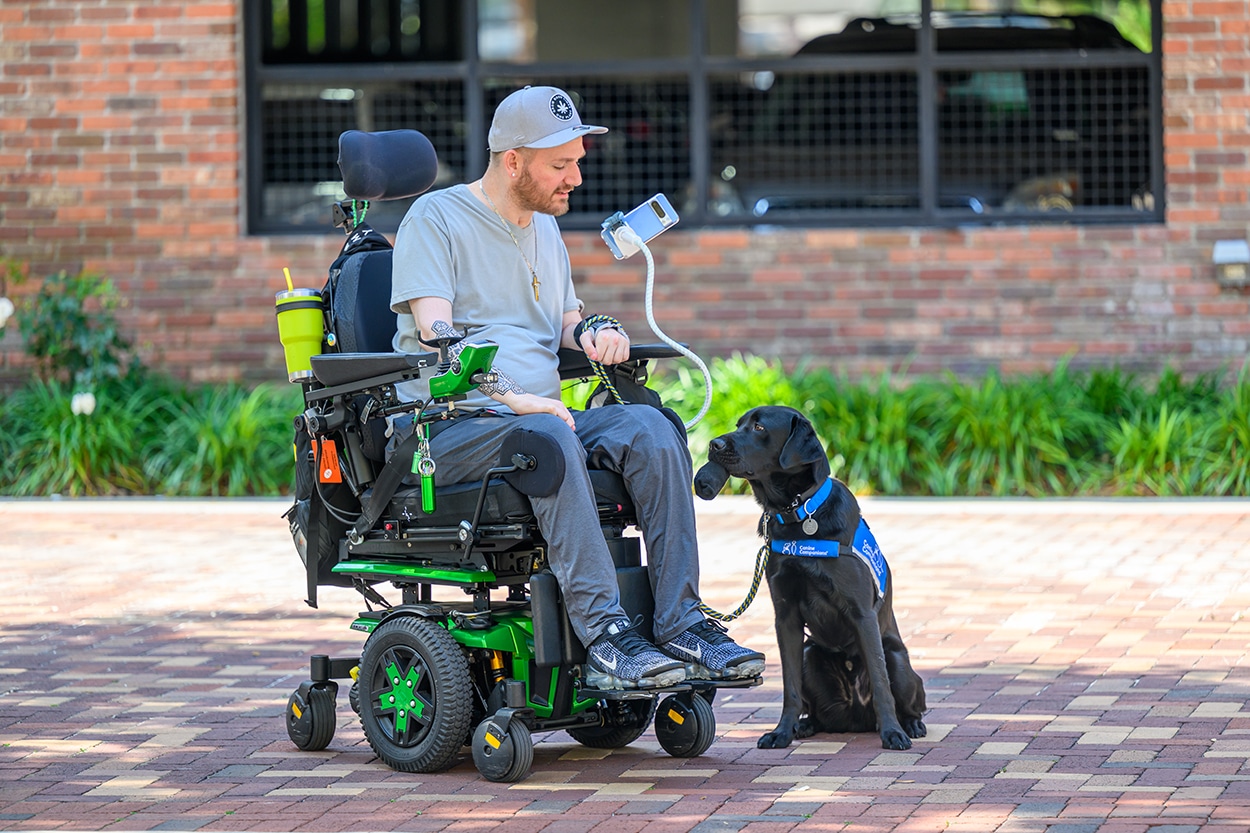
(593, 324)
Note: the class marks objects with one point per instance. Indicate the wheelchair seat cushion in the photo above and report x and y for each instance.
(504, 504)
(610, 494)
(457, 502)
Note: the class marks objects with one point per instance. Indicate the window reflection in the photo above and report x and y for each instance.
(780, 28)
(799, 111)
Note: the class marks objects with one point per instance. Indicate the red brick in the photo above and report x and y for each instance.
(14, 34)
(130, 31)
(225, 11)
(28, 70)
(1190, 27)
(104, 13)
(1220, 83)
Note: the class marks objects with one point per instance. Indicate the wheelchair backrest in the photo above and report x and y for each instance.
(387, 165)
(358, 295)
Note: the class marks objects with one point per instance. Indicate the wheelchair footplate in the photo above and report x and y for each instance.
(702, 687)
(684, 722)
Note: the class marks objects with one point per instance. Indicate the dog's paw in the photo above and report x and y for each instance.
(915, 728)
(895, 739)
(805, 728)
(710, 480)
(776, 739)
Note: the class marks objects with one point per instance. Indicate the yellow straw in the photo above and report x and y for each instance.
(287, 272)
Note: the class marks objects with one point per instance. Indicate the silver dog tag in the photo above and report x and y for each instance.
(810, 526)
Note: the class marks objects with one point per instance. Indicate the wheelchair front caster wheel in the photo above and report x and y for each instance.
(503, 752)
(310, 715)
(685, 725)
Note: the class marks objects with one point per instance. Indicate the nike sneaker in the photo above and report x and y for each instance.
(620, 658)
(710, 654)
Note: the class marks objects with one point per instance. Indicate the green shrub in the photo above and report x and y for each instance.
(53, 450)
(1104, 432)
(227, 441)
(71, 332)
(148, 435)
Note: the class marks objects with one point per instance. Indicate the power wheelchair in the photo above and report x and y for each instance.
(498, 660)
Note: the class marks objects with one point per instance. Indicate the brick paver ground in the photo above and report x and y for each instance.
(1085, 663)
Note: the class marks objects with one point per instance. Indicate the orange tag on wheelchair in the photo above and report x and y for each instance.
(329, 471)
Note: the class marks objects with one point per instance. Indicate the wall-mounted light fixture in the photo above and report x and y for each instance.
(1232, 262)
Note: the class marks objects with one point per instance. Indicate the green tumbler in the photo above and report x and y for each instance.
(301, 328)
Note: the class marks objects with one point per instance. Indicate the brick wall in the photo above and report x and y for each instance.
(120, 152)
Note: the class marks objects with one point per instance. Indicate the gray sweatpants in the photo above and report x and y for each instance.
(639, 443)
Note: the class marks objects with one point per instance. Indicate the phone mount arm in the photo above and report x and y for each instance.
(625, 235)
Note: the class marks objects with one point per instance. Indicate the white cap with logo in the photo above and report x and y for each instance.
(537, 117)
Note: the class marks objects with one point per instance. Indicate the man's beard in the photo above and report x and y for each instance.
(528, 196)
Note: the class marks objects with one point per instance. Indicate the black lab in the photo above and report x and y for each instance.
(851, 673)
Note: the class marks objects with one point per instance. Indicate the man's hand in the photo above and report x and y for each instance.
(529, 403)
(608, 346)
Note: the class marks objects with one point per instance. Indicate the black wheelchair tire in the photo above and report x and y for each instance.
(509, 758)
(353, 697)
(441, 689)
(685, 726)
(310, 724)
(617, 736)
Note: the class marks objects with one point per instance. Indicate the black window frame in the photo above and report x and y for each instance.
(927, 62)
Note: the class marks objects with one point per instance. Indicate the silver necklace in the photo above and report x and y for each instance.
(533, 274)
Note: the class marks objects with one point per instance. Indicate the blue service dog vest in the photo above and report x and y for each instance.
(864, 547)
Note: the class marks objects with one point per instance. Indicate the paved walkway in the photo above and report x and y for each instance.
(1085, 663)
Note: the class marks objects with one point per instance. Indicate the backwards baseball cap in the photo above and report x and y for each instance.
(537, 117)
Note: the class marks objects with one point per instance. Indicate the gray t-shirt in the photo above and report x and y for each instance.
(453, 246)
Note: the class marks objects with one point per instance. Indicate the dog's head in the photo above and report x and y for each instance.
(776, 450)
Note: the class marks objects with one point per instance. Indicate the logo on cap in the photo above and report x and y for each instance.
(561, 108)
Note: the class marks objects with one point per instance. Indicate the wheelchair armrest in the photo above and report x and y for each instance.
(334, 369)
(575, 365)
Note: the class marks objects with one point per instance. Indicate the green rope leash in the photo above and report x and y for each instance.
(600, 371)
(761, 561)
(761, 558)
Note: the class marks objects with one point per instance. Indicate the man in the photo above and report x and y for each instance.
(488, 257)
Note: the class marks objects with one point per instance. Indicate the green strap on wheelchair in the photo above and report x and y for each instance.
(423, 465)
(389, 480)
(761, 562)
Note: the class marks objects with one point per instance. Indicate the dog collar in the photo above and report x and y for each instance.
(805, 507)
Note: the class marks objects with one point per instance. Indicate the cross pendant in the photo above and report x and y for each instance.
(535, 285)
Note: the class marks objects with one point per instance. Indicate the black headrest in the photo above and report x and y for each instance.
(388, 165)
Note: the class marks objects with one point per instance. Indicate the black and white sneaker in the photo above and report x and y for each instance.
(710, 654)
(620, 658)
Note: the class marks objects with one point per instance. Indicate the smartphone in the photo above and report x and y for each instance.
(647, 220)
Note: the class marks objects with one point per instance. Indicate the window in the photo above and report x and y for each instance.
(744, 112)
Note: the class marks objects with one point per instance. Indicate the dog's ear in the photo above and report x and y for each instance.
(802, 448)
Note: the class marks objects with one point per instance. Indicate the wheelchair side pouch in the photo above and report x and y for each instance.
(539, 462)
